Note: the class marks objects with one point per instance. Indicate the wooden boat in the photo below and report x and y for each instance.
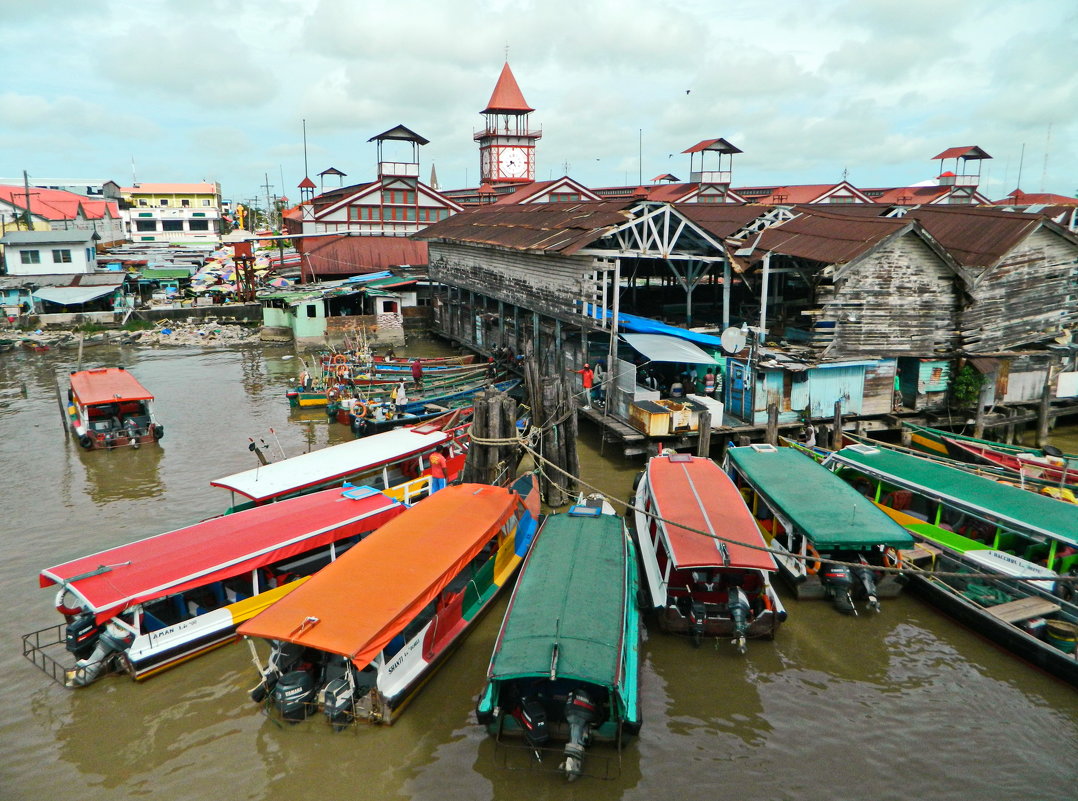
(1021, 546)
(360, 638)
(794, 499)
(1058, 470)
(565, 666)
(144, 607)
(932, 440)
(365, 399)
(108, 408)
(439, 417)
(382, 460)
(706, 567)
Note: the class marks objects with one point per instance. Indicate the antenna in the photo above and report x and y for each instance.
(1021, 160)
(306, 172)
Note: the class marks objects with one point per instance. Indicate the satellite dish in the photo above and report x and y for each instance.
(733, 340)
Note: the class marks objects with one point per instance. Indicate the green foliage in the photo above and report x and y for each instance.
(90, 328)
(137, 325)
(967, 387)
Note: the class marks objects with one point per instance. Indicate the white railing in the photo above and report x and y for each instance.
(399, 169)
(710, 177)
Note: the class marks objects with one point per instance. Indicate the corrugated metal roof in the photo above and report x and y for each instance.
(829, 238)
(719, 145)
(48, 237)
(557, 227)
(348, 255)
(975, 237)
(68, 295)
(721, 219)
(963, 152)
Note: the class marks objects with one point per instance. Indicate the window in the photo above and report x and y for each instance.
(145, 225)
(312, 310)
(443, 214)
(61, 256)
(171, 225)
(185, 203)
(199, 225)
(206, 202)
(142, 201)
(31, 257)
(164, 201)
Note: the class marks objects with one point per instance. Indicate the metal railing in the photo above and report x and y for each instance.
(34, 647)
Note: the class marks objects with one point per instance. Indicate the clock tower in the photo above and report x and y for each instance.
(506, 144)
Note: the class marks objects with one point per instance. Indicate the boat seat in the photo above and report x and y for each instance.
(1023, 609)
(218, 590)
(181, 607)
(152, 623)
(232, 596)
(195, 610)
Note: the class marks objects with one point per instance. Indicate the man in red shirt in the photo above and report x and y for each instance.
(588, 377)
(417, 373)
(438, 465)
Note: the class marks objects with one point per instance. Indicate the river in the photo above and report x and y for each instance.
(905, 704)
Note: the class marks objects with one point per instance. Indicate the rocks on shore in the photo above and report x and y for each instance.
(165, 332)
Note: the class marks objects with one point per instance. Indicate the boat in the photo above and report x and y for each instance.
(1055, 469)
(439, 416)
(146, 606)
(795, 501)
(382, 460)
(932, 440)
(1000, 560)
(565, 667)
(107, 408)
(705, 563)
(360, 638)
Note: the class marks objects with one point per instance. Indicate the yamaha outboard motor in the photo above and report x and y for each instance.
(867, 576)
(530, 715)
(293, 695)
(80, 637)
(838, 581)
(581, 713)
(112, 641)
(738, 605)
(697, 619)
(283, 658)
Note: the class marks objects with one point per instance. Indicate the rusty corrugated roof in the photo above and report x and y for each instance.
(354, 255)
(721, 219)
(553, 227)
(975, 236)
(828, 237)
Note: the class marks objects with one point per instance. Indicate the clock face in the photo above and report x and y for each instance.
(512, 162)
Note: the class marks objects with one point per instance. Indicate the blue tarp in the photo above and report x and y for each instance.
(630, 323)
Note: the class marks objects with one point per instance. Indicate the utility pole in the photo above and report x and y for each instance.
(26, 189)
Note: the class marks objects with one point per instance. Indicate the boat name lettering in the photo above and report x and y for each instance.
(178, 627)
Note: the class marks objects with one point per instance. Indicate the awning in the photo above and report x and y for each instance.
(663, 348)
(68, 295)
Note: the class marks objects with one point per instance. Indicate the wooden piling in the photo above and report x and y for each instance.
(493, 418)
(703, 444)
(772, 424)
(554, 414)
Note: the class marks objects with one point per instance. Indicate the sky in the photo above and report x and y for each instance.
(200, 90)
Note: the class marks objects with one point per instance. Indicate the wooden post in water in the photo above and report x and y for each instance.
(554, 414)
(703, 444)
(978, 420)
(772, 424)
(836, 432)
(1046, 403)
(494, 417)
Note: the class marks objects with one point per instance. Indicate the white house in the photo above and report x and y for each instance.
(49, 252)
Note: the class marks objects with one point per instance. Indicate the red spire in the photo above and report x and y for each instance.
(307, 183)
(507, 96)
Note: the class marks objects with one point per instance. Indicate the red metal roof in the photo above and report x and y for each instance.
(218, 548)
(306, 183)
(963, 152)
(1020, 198)
(506, 96)
(694, 495)
(718, 145)
(107, 385)
(355, 255)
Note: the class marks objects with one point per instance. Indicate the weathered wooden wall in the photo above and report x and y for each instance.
(899, 300)
(1028, 297)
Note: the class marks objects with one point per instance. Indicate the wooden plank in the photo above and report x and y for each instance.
(1023, 609)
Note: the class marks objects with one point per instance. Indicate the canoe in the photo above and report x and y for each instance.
(1023, 548)
(146, 606)
(108, 408)
(931, 440)
(565, 667)
(1055, 469)
(705, 564)
(794, 499)
(360, 638)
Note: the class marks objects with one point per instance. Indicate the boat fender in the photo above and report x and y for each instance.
(892, 557)
(813, 563)
(158, 431)
(339, 358)
(359, 409)
(86, 441)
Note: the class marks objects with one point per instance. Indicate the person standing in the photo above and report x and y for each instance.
(588, 379)
(401, 399)
(598, 376)
(438, 465)
(709, 383)
(417, 373)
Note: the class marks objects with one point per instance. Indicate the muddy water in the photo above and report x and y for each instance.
(900, 705)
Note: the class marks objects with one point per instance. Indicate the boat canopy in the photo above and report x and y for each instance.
(570, 596)
(823, 507)
(1013, 508)
(216, 549)
(336, 462)
(357, 604)
(700, 497)
(107, 385)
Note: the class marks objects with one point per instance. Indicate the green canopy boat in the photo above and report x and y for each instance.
(565, 665)
(809, 514)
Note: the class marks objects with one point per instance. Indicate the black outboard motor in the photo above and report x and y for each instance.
(738, 605)
(581, 713)
(530, 715)
(293, 695)
(81, 634)
(339, 692)
(112, 640)
(697, 619)
(283, 658)
(838, 581)
(867, 576)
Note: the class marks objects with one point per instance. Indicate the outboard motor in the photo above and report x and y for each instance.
(293, 695)
(867, 576)
(530, 715)
(283, 658)
(838, 581)
(111, 641)
(697, 619)
(581, 713)
(738, 605)
(81, 634)
(339, 692)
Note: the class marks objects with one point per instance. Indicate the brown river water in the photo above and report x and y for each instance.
(900, 705)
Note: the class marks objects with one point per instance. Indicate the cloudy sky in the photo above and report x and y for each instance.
(207, 90)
